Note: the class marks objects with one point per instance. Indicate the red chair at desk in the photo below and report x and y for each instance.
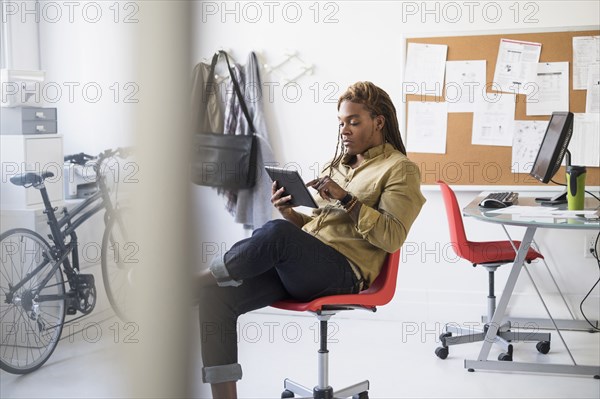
(490, 255)
(379, 293)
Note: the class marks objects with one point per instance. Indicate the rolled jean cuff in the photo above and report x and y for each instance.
(221, 274)
(224, 373)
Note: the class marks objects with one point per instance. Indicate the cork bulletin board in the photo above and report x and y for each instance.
(467, 164)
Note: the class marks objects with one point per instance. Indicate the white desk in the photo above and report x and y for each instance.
(531, 225)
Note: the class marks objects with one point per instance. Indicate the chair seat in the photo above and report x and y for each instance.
(360, 300)
(493, 252)
(379, 293)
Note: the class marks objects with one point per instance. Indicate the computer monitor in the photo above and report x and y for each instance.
(554, 147)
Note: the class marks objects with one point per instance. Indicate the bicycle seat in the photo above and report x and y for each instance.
(30, 178)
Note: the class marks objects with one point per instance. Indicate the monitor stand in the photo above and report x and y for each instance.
(560, 198)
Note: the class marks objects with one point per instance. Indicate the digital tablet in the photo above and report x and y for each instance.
(294, 186)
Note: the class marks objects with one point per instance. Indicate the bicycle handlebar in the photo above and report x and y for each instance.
(82, 158)
(79, 159)
(122, 152)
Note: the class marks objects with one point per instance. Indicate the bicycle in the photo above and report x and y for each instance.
(33, 297)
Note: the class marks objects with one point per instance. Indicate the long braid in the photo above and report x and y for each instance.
(377, 102)
(337, 157)
(391, 130)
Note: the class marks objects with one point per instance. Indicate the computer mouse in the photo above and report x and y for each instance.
(492, 203)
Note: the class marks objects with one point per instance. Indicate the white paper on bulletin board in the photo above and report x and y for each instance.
(427, 125)
(425, 67)
(550, 89)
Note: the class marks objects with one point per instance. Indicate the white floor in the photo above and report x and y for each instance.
(396, 357)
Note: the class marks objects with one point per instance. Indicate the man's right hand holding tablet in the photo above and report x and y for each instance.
(282, 203)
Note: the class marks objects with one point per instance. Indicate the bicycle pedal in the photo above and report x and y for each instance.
(71, 310)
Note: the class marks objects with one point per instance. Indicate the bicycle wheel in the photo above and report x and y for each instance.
(119, 262)
(31, 318)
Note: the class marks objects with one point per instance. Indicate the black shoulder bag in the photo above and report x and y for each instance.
(220, 159)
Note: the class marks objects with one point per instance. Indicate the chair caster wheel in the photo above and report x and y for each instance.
(471, 370)
(441, 352)
(505, 357)
(597, 377)
(543, 347)
(287, 394)
(362, 395)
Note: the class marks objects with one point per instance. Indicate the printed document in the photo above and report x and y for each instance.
(427, 125)
(586, 51)
(465, 80)
(592, 98)
(550, 89)
(527, 138)
(493, 120)
(585, 142)
(425, 66)
(514, 66)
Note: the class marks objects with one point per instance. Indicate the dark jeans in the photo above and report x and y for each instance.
(279, 261)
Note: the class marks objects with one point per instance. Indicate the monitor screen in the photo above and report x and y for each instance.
(555, 143)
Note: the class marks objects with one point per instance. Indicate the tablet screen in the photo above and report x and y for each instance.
(294, 186)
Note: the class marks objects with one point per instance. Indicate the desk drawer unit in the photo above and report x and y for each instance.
(22, 120)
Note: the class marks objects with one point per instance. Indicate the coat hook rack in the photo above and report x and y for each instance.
(289, 56)
(218, 78)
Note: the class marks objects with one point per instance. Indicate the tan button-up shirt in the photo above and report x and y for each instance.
(387, 184)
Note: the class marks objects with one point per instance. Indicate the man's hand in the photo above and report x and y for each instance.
(327, 188)
(281, 203)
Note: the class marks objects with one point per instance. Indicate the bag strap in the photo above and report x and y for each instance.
(211, 76)
(236, 86)
(239, 93)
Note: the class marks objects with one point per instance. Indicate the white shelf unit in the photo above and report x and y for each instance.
(30, 153)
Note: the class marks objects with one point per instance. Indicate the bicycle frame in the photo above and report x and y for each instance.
(65, 227)
(35, 298)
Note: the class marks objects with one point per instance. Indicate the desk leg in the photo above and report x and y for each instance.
(506, 294)
(482, 361)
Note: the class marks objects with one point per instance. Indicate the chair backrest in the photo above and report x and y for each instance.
(379, 293)
(458, 237)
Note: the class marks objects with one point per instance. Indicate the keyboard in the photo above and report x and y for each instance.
(506, 198)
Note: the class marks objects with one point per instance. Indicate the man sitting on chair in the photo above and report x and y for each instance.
(369, 198)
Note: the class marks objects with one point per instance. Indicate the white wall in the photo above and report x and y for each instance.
(86, 49)
(87, 53)
(363, 41)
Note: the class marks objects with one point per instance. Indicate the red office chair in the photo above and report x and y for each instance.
(379, 293)
(490, 255)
